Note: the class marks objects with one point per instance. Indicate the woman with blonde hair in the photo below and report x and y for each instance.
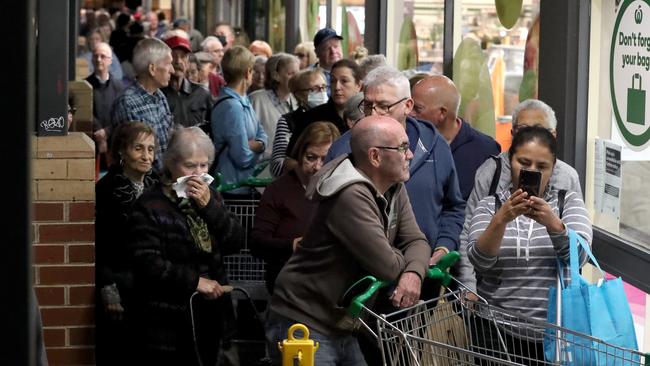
(306, 53)
(239, 138)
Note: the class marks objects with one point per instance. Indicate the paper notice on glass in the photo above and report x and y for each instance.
(607, 183)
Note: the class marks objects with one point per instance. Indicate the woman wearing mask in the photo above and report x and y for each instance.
(345, 82)
(178, 235)
(308, 87)
(276, 99)
(134, 144)
(516, 239)
(284, 211)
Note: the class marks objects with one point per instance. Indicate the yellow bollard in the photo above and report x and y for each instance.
(301, 350)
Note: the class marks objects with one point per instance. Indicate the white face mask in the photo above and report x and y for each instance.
(315, 99)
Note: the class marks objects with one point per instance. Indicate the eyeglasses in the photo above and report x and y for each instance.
(315, 89)
(381, 109)
(72, 110)
(402, 149)
(102, 57)
(300, 55)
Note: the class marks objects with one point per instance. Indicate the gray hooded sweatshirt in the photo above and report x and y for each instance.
(355, 231)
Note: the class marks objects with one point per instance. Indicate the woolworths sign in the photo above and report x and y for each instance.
(629, 68)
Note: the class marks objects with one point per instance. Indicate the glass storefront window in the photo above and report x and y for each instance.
(491, 69)
(277, 20)
(349, 22)
(415, 36)
(619, 120)
(628, 211)
(503, 56)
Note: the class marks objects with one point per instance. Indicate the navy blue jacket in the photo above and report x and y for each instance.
(433, 187)
(470, 149)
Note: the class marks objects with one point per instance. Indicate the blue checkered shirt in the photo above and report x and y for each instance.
(136, 104)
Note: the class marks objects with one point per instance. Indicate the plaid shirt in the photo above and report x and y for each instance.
(136, 104)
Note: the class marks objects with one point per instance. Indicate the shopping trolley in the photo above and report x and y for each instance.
(246, 275)
(453, 330)
(244, 270)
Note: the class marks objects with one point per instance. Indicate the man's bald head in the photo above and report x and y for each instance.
(370, 131)
(380, 149)
(433, 93)
(102, 58)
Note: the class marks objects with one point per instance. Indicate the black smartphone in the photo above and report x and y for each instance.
(530, 181)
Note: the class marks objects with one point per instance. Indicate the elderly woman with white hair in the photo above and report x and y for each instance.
(178, 233)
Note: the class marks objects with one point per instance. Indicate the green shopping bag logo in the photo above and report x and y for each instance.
(636, 103)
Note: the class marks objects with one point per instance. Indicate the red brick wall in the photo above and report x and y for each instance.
(64, 251)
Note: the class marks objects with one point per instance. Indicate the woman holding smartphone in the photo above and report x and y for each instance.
(515, 238)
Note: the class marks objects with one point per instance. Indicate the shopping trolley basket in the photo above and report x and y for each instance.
(244, 270)
(452, 330)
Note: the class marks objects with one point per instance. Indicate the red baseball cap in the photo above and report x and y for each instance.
(179, 42)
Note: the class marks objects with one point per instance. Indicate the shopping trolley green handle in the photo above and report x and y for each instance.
(249, 182)
(356, 296)
(440, 271)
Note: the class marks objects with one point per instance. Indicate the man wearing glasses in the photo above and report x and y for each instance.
(531, 112)
(364, 225)
(433, 187)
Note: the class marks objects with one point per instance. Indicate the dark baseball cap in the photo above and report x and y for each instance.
(325, 34)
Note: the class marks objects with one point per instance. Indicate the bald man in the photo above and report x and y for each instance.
(433, 186)
(436, 99)
(363, 225)
(106, 88)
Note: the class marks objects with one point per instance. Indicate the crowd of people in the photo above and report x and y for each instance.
(373, 174)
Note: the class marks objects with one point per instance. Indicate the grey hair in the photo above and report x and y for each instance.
(208, 40)
(183, 142)
(388, 75)
(535, 104)
(351, 110)
(273, 66)
(149, 51)
(370, 63)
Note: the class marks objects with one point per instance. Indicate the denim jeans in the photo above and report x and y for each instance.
(340, 350)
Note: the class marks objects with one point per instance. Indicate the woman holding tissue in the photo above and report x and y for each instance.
(516, 238)
(179, 232)
(134, 144)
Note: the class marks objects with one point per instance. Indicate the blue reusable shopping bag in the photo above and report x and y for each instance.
(600, 311)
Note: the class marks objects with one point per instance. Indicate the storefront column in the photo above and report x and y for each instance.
(564, 74)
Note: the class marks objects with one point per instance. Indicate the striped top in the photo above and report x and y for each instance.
(280, 143)
(519, 277)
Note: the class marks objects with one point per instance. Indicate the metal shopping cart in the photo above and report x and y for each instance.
(452, 330)
(244, 270)
(246, 275)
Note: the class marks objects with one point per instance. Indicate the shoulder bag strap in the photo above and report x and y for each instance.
(497, 175)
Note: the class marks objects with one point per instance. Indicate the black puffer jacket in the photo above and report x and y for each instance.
(167, 267)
